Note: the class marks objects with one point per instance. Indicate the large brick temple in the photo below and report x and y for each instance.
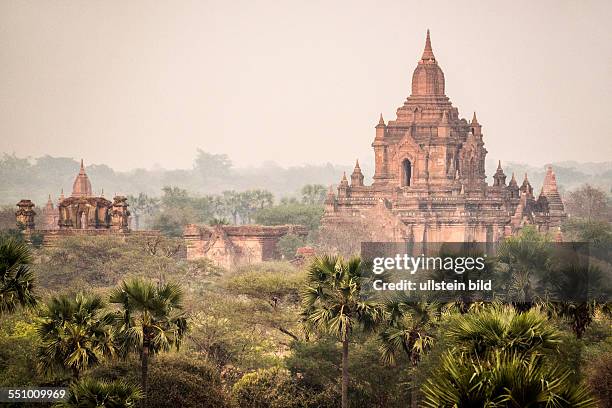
(429, 182)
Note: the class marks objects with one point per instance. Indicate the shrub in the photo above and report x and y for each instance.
(276, 388)
(599, 378)
(174, 380)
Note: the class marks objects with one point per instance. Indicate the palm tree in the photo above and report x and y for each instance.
(520, 260)
(93, 393)
(508, 381)
(497, 358)
(407, 331)
(16, 280)
(579, 291)
(151, 320)
(75, 334)
(313, 194)
(408, 326)
(262, 198)
(232, 204)
(332, 304)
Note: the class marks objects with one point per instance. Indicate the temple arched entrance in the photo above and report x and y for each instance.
(406, 173)
(82, 218)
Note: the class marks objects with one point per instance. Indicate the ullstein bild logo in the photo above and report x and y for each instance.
(482, 272)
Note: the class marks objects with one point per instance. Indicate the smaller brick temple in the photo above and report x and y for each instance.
(80, 214)
(232, 245)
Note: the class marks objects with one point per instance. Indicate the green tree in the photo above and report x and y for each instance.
(171, 222)
(140, 206)
(175, 197)
(92, 393)
(183, 380)
(263, 198)
(520, 259)
(589, 203)
(373, 383)
(407, 331)
(596, 233)
(500, 358)
(75, 332)
(7, 218)
(408, 327)
(252, 200)
(151, 319)
(269, 388)
(212, 165)
(579, 290)
(306, 215)
(332, 304)
(274, 293)
(17, 282)
(232, 204)
(313, 194)
(18, 345)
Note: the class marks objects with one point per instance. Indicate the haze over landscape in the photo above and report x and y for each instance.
(144, 84)
(292, 204)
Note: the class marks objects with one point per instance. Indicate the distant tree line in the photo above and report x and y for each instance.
(177, 207)
(35, 178)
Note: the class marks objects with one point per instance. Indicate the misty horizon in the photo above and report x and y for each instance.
(131, 86)
(367, 162)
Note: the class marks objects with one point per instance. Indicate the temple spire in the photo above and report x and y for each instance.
(344, 180)
(82, 186)
(550, 181)
(428, 52)
(499, 178)
(474, 120)
(357, 176)
(513, 182)
(49, 205)
(381, 121)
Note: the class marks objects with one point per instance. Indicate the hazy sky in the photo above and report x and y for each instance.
(138, 83)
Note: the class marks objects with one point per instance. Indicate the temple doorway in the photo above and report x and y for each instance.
(83, 220)
(406, 173)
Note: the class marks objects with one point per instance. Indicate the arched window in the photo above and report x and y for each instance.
(406, 172)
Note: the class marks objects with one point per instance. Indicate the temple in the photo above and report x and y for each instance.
(429, 182)
(82, 213)
(234, 245)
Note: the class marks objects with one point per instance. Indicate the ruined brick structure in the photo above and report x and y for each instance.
(232, 245)
(429, 178)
